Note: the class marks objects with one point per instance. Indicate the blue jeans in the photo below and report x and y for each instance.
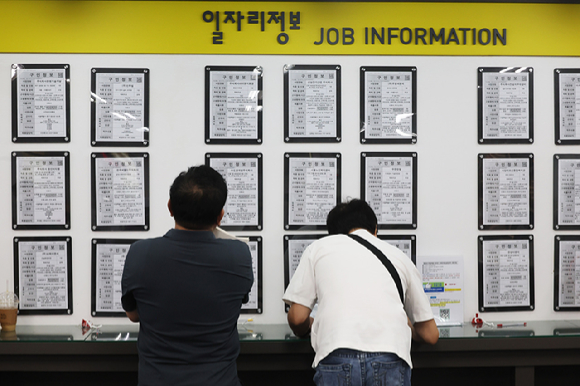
(345, 367)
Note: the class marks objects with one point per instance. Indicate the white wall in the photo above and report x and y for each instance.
(447, 165)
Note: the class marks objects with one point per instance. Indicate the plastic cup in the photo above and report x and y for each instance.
(8, 311)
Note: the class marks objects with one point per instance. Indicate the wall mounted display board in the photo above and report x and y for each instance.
(120, 191)
(40, 103)
(505, 97)
(566, 191)
(254, 305)
(566, 273)
(506, 273)
(406, 243)
(506, 191)
(107, 263)
(312, 187)
(389, 185)
(233, 105)
(243, 174)
(567, 106)
(312, 103)
(43, 275)
(120, 107)
(294, 247)
(388, 104)
(40, 190)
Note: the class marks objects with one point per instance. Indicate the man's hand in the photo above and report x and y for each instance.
(299, 319)
(133, 315)
(426, 332)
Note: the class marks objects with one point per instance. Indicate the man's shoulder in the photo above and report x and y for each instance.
(147, 243)
(236, 247)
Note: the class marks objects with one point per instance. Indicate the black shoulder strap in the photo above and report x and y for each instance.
(385, 262)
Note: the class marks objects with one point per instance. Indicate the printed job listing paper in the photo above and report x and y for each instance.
(120, 107)
(43, 275)
(234, 104)
(242, 175)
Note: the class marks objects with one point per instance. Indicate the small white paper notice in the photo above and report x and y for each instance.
(443, 284)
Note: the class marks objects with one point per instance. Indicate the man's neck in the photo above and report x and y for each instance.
(179, 227)
(356, 229)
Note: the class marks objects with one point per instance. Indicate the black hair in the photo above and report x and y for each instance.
(198, 197)
(347, 216)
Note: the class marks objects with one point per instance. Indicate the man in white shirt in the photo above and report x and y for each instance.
(362, 328)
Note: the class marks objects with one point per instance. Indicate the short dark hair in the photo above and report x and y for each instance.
(198, 197)
(347, 216)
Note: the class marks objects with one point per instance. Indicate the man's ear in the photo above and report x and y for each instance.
(376, 230)
(169, 207)
(220, 216)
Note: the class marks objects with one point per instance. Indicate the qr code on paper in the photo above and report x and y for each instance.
(444, 313)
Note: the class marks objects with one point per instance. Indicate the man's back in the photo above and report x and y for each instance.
(188, 288)
(358, 303)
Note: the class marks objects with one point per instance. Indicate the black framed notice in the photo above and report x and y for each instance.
(312, 187)
(120, 191)
(294, 247)
(233, 105)
(254, 304)
(43, 275)
(312, 103)
(40, 103)
(389, 185)
(107, 263)
(40, 190)
(566, 273)
(505, 97)
(120, 107)
(506, 273)
(406, 243)
(388, 104)
(243, 174)
(566, 189)
(506, 191)
(567, 106)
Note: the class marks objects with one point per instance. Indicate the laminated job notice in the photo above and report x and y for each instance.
(389, 188)
(569, 273)
(234, 104)
(506, 105)
(313, 106)
(43, 275)
(41, 190)
(506, 273)
(568, 178)
(313, 190)
(110, 261)
(120, 107)
(41, 96)
(506, 191)
(242, 178)
(120, 191)
(388, 104)
(569, 105)
(253, 302)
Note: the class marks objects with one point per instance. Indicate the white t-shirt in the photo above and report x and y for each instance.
(359, 306)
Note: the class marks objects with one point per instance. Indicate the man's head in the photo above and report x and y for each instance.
(197, 197)
(347, 216)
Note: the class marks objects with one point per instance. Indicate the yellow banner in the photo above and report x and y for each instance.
(321, 28)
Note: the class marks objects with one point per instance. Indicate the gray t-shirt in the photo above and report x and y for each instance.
(188, 288)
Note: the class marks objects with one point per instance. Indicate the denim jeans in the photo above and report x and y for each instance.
(345, 367)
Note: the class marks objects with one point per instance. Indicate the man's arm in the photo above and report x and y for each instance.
(133, 315)
(299, 319)
(426, 332)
